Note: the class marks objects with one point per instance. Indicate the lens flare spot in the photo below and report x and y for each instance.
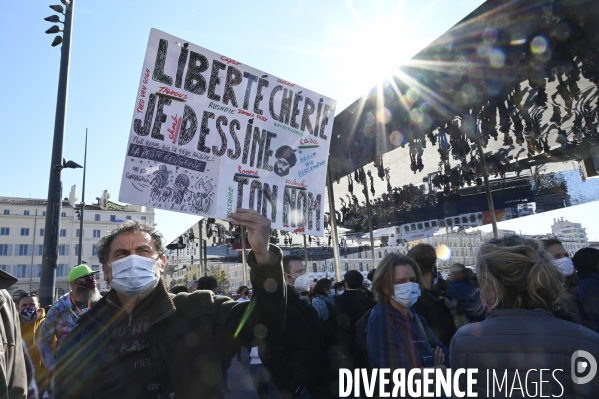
(383, 115)
(369, 131)
(483, 49)
(270, 285)
(411, 96)
(370, 120)
(260, 331)
(496, 58)
(396, 138)
(416, 115)
(443, 252)
(539, 45)
(490, 35)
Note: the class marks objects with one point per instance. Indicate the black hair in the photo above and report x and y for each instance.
(338, 285)
(207, 283)
(353, 279)
(321, 285)
(27, 295)
(243, 287)
(370, 274)
(288, 153)
(586, 260)
(289, 258)
(178, 289)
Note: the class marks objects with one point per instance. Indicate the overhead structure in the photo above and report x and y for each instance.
(517, 77)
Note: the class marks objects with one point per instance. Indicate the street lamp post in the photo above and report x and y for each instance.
(82, 205)
(53, 209)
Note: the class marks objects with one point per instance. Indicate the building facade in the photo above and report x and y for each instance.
(572, 235)
(22, 224)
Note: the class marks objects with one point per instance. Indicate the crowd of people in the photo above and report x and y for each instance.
(529, 307)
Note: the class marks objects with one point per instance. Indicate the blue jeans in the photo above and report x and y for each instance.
(260, 378)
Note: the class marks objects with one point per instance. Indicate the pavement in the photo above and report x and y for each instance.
(240, 383)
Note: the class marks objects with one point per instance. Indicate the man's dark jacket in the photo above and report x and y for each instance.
(437, 315)
(185, 341)
(13, 374)
(298, 359)
(350, 307)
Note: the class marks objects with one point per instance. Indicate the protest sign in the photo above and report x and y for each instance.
(210, 135)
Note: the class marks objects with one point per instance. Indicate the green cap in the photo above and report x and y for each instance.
(80, 271)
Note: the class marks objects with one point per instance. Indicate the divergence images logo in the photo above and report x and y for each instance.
(580, 366)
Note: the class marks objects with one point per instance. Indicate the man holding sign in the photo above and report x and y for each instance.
(141, 342)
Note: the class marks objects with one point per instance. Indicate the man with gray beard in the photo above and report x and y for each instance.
(63, 315)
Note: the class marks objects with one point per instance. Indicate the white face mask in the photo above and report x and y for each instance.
(134, 275)
(406, 294)
(302, 283)
(565, 265)
(340, 292)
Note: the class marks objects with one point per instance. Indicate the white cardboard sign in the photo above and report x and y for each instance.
(210, 134)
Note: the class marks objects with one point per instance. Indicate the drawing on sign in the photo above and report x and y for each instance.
(285, 160)
(210, 134)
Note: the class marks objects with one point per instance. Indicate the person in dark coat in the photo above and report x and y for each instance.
(465, 292)
(13, 372)
(139, 341)
(297, 360)
(568, 309)
(586, 261)
(351, 306)
(325, 307)
(520, 286)
(430, 305)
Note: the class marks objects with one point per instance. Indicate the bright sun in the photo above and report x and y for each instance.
(371, 49)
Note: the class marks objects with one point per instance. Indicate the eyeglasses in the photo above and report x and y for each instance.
(90, 277)
(301, 273)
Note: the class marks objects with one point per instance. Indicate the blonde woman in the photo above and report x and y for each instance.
(520, 338)
(396, 336)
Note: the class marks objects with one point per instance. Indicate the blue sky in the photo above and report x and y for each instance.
(338, 48)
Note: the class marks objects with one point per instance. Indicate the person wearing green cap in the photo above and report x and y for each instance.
(63, 315)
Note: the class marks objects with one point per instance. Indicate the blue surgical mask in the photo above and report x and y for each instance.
(406, 294)
(332, 294)
(134, 275)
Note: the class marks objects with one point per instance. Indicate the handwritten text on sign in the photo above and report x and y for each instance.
(210, 134)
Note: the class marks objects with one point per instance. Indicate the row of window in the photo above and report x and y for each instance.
(97, 216)
(38, 250)
(23, 271)
(5, 231)
(472, 218)
(26, 213)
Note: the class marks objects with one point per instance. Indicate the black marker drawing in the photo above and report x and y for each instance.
(202, 202)
(159, 182)
(181, 184)
(286, 160)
